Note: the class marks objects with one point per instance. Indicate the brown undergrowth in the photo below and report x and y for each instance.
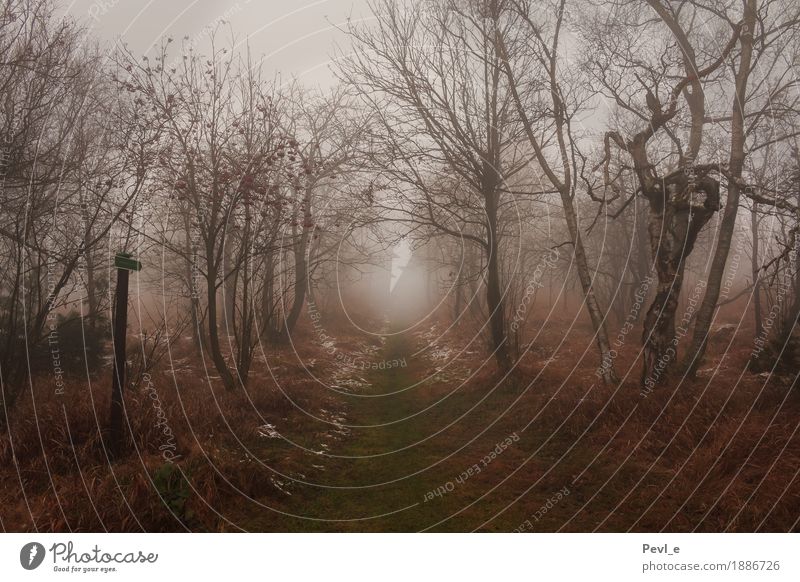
(717, 453)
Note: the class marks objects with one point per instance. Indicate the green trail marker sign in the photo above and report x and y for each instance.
(127, 262)
(124, 264)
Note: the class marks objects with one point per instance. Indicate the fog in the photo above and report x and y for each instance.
(399, 265)
(295, 38)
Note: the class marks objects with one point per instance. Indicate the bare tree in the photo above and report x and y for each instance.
(68, 178)
(223, 158)
(660, 88)
(433, 78)
(329, 132)
(548, 110)
(768, 38)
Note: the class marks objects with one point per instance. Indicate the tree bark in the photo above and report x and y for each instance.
(213, 331)
(229, 302)
(592, 304)
(756, 273)
(494, 292)
(675, 220)
(267, 329)
(300, 281)
(194, 297)
(708, 308)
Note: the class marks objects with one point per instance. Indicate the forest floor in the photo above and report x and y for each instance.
(411, 432)
(456, 447)
(415, 433)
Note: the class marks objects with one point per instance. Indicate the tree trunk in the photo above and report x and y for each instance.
(191, 283)
(785, 346)
(676, 218)
(300, 283)
(642, 262)
(592, 304)
(91, 291)
(213, 331)
(472, 262)
(708, 308)
(266, 329)
(244, 342)
(229, 303)
(658, 336)
(494, 292)
(756, 273)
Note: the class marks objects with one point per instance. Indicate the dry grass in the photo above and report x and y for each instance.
(716, 453)
(58, 476)
(720, 452)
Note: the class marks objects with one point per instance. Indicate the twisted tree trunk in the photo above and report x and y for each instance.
(679, 208)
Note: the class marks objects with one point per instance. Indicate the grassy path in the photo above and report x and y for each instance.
(377, 477)
(362, 480)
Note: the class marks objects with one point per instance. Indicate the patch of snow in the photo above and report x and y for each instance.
(279, 485)
(268, 431)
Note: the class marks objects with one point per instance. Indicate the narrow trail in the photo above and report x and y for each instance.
(363, 477)
(400, 449)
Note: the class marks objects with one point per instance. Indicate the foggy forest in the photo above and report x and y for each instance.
(520, 266)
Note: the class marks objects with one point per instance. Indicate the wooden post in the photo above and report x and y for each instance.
(124, 264)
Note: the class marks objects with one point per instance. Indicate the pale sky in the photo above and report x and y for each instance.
(298, 36)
